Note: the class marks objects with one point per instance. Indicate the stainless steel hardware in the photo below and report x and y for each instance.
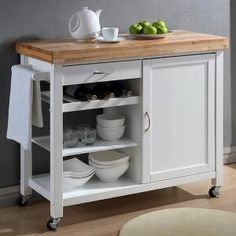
(102, 72)
(149, 121)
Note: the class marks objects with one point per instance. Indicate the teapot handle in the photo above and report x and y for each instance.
(77, 22)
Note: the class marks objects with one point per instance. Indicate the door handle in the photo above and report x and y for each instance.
(149, 121)
(96, 72)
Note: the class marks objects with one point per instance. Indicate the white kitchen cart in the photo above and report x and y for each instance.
(174, 124)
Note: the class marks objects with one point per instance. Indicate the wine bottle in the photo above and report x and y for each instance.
(77, 91)
(120, 90)
(102, 90)
(127, 93)
(117, 88)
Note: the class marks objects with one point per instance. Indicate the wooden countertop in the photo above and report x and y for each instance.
(69, 51)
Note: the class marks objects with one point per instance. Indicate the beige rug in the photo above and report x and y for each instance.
(182, 222)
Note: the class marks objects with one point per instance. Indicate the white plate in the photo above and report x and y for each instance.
(77, 174)
(151, 36)
(75, 182)
(117, 40)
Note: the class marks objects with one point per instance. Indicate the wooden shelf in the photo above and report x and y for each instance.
(76, 105)
(100, 145)
(93, 190)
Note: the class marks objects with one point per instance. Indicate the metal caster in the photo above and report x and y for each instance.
(53, 224)
(214, 191)
(22, 201)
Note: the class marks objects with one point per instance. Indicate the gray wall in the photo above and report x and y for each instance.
(33, 19)
(233, 69)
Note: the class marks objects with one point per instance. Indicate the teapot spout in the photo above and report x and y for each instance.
(98, 12)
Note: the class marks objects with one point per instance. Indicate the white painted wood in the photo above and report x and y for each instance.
(219, 118)
(133, 131)
(100, 145)
(146, 153)
(95, 190)
(56, 142)
(181, 107)
(41, 185)
(80, 106)
(25, 159)
(178, 146)
(101, 72)
(41, 66)
(76, 105)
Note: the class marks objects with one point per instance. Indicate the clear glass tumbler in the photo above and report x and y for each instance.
(82, 131)
(91, 137)
(67, 136)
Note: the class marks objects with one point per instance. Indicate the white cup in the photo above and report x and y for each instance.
(110, 33)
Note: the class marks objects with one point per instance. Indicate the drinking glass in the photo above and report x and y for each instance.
(67, 135)
(91, 136)
(82, 131)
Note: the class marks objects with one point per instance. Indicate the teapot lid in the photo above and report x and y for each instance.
(84, 8)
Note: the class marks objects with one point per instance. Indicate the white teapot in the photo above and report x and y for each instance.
(87, 25)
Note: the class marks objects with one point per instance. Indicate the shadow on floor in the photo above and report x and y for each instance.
(32, 218)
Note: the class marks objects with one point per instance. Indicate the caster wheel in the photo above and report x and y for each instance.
(22, 201)
(214, 191)
(53, 224)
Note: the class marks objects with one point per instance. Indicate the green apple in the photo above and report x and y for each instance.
(144, 23)
(135, 29)
(161, 30)
(159, 24)
(149, 30)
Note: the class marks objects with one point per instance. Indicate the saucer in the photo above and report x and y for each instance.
(117, 40)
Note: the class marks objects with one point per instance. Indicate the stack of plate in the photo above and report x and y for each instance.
(76, 173)
(109, 165)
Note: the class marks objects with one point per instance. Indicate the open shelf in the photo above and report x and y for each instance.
(100, 145)
(76, 105)
(93, 190)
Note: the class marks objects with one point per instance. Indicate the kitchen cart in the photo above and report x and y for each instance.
(174, 124)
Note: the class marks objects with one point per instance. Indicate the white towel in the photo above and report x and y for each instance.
(25, 99)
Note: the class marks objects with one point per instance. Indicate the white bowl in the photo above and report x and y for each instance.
(77, 166)
(110, 120)
(75, 182)
(106, 166)
(108, 157)
(110, 134)
(111, 174)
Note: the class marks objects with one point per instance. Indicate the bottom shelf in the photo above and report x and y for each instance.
(93, 190)
(96, 190)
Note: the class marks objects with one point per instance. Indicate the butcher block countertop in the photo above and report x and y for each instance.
(69, 51)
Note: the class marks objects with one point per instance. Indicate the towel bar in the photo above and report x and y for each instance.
(41, 76)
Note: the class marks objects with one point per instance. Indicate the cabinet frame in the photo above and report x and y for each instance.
(55, 193)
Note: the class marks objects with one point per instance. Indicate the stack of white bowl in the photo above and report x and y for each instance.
(109, 165)
(76, 173)
(110, 126)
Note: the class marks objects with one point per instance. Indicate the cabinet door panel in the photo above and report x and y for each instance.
(181, 105)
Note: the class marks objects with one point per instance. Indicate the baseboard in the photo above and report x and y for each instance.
(229, 155)
(9, 195)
